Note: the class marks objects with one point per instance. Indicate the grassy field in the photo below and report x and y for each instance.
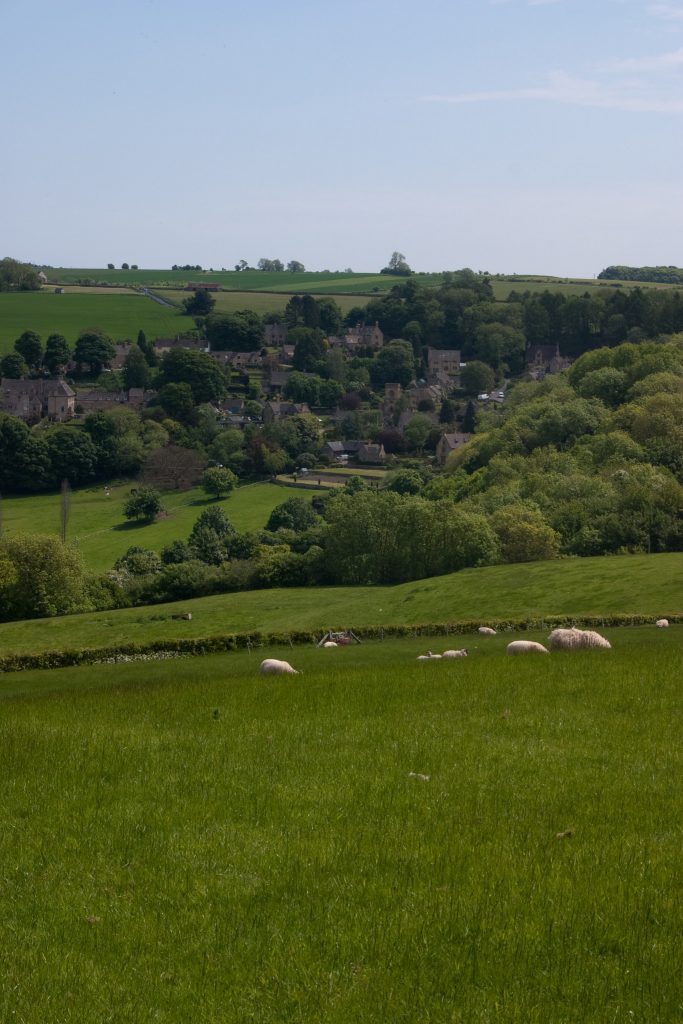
(120, 315)
(325, 281)
(488, 840)
(502, 286)
(98, 528)
(260, 302)
(636, 584)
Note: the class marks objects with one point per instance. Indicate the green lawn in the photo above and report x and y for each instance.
(120, 315)
(636, 584)
(377, 840)
(98, 528)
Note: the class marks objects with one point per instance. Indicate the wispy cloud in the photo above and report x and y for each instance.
(657, 62)
(670, 12)
(568, 89)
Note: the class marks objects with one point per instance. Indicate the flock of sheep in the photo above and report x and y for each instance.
(559, 640)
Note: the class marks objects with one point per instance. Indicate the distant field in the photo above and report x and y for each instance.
(634, 584)
(567, 286)
(120, 315)
(100, 531)
(376, 841)
(260, 302)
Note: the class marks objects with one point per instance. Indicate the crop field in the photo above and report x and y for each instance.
(99, 530)
(502, 286)
(635, 584)
(120, 315)
(376, 840)
(260, 302)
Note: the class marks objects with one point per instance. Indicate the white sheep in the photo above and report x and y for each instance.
(662, 623)
(576, 640)
(486, 631)
(330, 643)
(525, 647)
(455, 654)
(273, 667)
(428, 657)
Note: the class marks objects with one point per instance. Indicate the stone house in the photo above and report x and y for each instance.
(164, 345)
(443, 360)
(34, 400)
(273, 412)
(545, 359)
(275, 335)
(449, 443)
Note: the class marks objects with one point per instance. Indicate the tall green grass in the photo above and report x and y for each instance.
(190, 842)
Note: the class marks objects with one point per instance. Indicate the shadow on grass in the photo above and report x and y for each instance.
(135, 524)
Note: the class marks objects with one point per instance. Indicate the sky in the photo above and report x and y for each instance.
(511, 136)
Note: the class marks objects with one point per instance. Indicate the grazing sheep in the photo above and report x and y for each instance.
(486, 631)
(455, 654)
(525, 647)
(662, 623)
(273, 667)
(428, 657)
(576, 640)
(330, 643)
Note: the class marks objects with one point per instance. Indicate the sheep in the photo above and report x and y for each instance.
(330, 643)
(486, 631)
(576, 640)
(662, 623)
(273, 667)
(525, 647)
(428, 657)
(455, 654)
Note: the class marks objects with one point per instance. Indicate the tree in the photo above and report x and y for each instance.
(242, 265)
(135, 370)
(110, 266)
(18, 277)
(524, 534)
(218, 481)
(294, 514)
(199, 304)
(47, 577)
(95, 348)
(397, 265)
(469, 423)
(448, 411)
(309, 347)
(405, 481)
(72, 454)
(56, 354)
(294, 267)
(203, 374)
(395, 363)
(241, 331)
(143, 503)
(13, 366)
(173, 466)
(477, 378)
(417, 432)
(271, 265)
(124, 266)
(29, 346)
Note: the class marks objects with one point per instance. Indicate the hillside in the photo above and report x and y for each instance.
(649, 585)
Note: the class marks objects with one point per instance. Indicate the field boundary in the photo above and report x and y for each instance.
(227, 642)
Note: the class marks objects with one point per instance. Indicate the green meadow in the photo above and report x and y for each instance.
(260, 302)
(377, 840)
(120, 315)
(99, 530)
(649, 585)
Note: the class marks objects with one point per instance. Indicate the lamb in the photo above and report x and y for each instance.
(486, 631)
(455, 654)
(273, 667)
(662, 623)
(330, 643)
(525, 647)
(576, 640)
(428, 657)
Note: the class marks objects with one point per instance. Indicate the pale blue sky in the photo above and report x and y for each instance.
(506, 135)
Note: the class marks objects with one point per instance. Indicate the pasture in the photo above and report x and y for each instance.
(121, 315)
(636, 584)
(492, 839)
(99, 530)
(260, 302)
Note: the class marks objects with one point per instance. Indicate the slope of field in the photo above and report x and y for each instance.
(120, 315)
(100, 531)
(375, 841)
(260, 302)
(502, 286)
(637, 584)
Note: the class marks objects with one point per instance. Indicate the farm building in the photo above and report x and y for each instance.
(34, 400)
